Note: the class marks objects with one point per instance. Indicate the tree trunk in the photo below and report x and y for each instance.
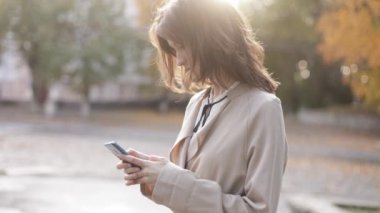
(40, 85)
(85, 106)
(50, 109)
(40, 92)
(52, 99)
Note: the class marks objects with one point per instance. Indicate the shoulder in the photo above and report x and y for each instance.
(260, 96)
(264, 120)
(254, 100)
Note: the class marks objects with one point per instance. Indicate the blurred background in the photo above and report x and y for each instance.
(77, 73)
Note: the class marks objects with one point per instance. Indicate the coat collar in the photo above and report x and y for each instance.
(190, 121)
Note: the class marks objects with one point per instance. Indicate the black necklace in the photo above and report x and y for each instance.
(206, 111)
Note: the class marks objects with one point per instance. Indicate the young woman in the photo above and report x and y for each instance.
(231, 151)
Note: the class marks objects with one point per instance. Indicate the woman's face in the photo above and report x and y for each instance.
(183, 56)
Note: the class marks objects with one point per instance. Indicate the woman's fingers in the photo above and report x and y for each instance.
(123, 165)
(155, 158)
(134, 176)
(131, 182)
(140, 168)
(138, 154)
(135, 161)
(131, 170)
(138, 181)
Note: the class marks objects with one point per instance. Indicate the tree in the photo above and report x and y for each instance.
(287, 30)
(41, 36)
(102, 41)
(350, 32)
(87, 41)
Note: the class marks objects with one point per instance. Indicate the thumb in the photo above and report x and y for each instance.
(137, 154)
(135, 161)
(156, 158)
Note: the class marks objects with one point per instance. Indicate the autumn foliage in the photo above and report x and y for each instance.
(350, 32)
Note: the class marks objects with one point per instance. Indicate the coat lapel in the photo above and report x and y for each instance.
(183, 139)
(200, 137)
(186, 130)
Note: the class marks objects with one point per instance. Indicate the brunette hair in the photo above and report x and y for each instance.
(220, 41)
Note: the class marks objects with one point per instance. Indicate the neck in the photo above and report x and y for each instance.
(217, 90)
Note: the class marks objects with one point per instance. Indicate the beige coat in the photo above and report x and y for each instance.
(234, 163)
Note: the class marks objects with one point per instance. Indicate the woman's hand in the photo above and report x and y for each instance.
(140, 168)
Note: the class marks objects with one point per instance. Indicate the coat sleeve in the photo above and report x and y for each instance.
(147, 189)
(181, 191)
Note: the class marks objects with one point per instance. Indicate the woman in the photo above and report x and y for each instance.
(230, 153)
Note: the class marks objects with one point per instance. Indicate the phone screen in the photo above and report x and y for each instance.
(115, 148)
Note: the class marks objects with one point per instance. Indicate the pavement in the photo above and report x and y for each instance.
(60, 165)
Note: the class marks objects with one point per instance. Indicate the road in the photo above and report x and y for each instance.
(53, 166)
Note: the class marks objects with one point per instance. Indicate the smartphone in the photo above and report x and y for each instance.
(115, 148)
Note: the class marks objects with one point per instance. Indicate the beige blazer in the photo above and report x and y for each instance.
(235, 162)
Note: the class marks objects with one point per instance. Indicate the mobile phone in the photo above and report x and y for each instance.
(115, 148)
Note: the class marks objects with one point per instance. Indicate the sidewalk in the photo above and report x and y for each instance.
(73, 175)
(55, 194)
(51, 166)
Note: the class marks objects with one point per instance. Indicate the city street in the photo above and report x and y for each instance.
(75, 75)
(60, 165)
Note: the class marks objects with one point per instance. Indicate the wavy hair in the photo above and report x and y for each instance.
(220, 40)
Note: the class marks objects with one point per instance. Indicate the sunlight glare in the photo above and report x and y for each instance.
(235, 3)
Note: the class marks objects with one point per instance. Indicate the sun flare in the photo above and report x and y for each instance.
(235, 3)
